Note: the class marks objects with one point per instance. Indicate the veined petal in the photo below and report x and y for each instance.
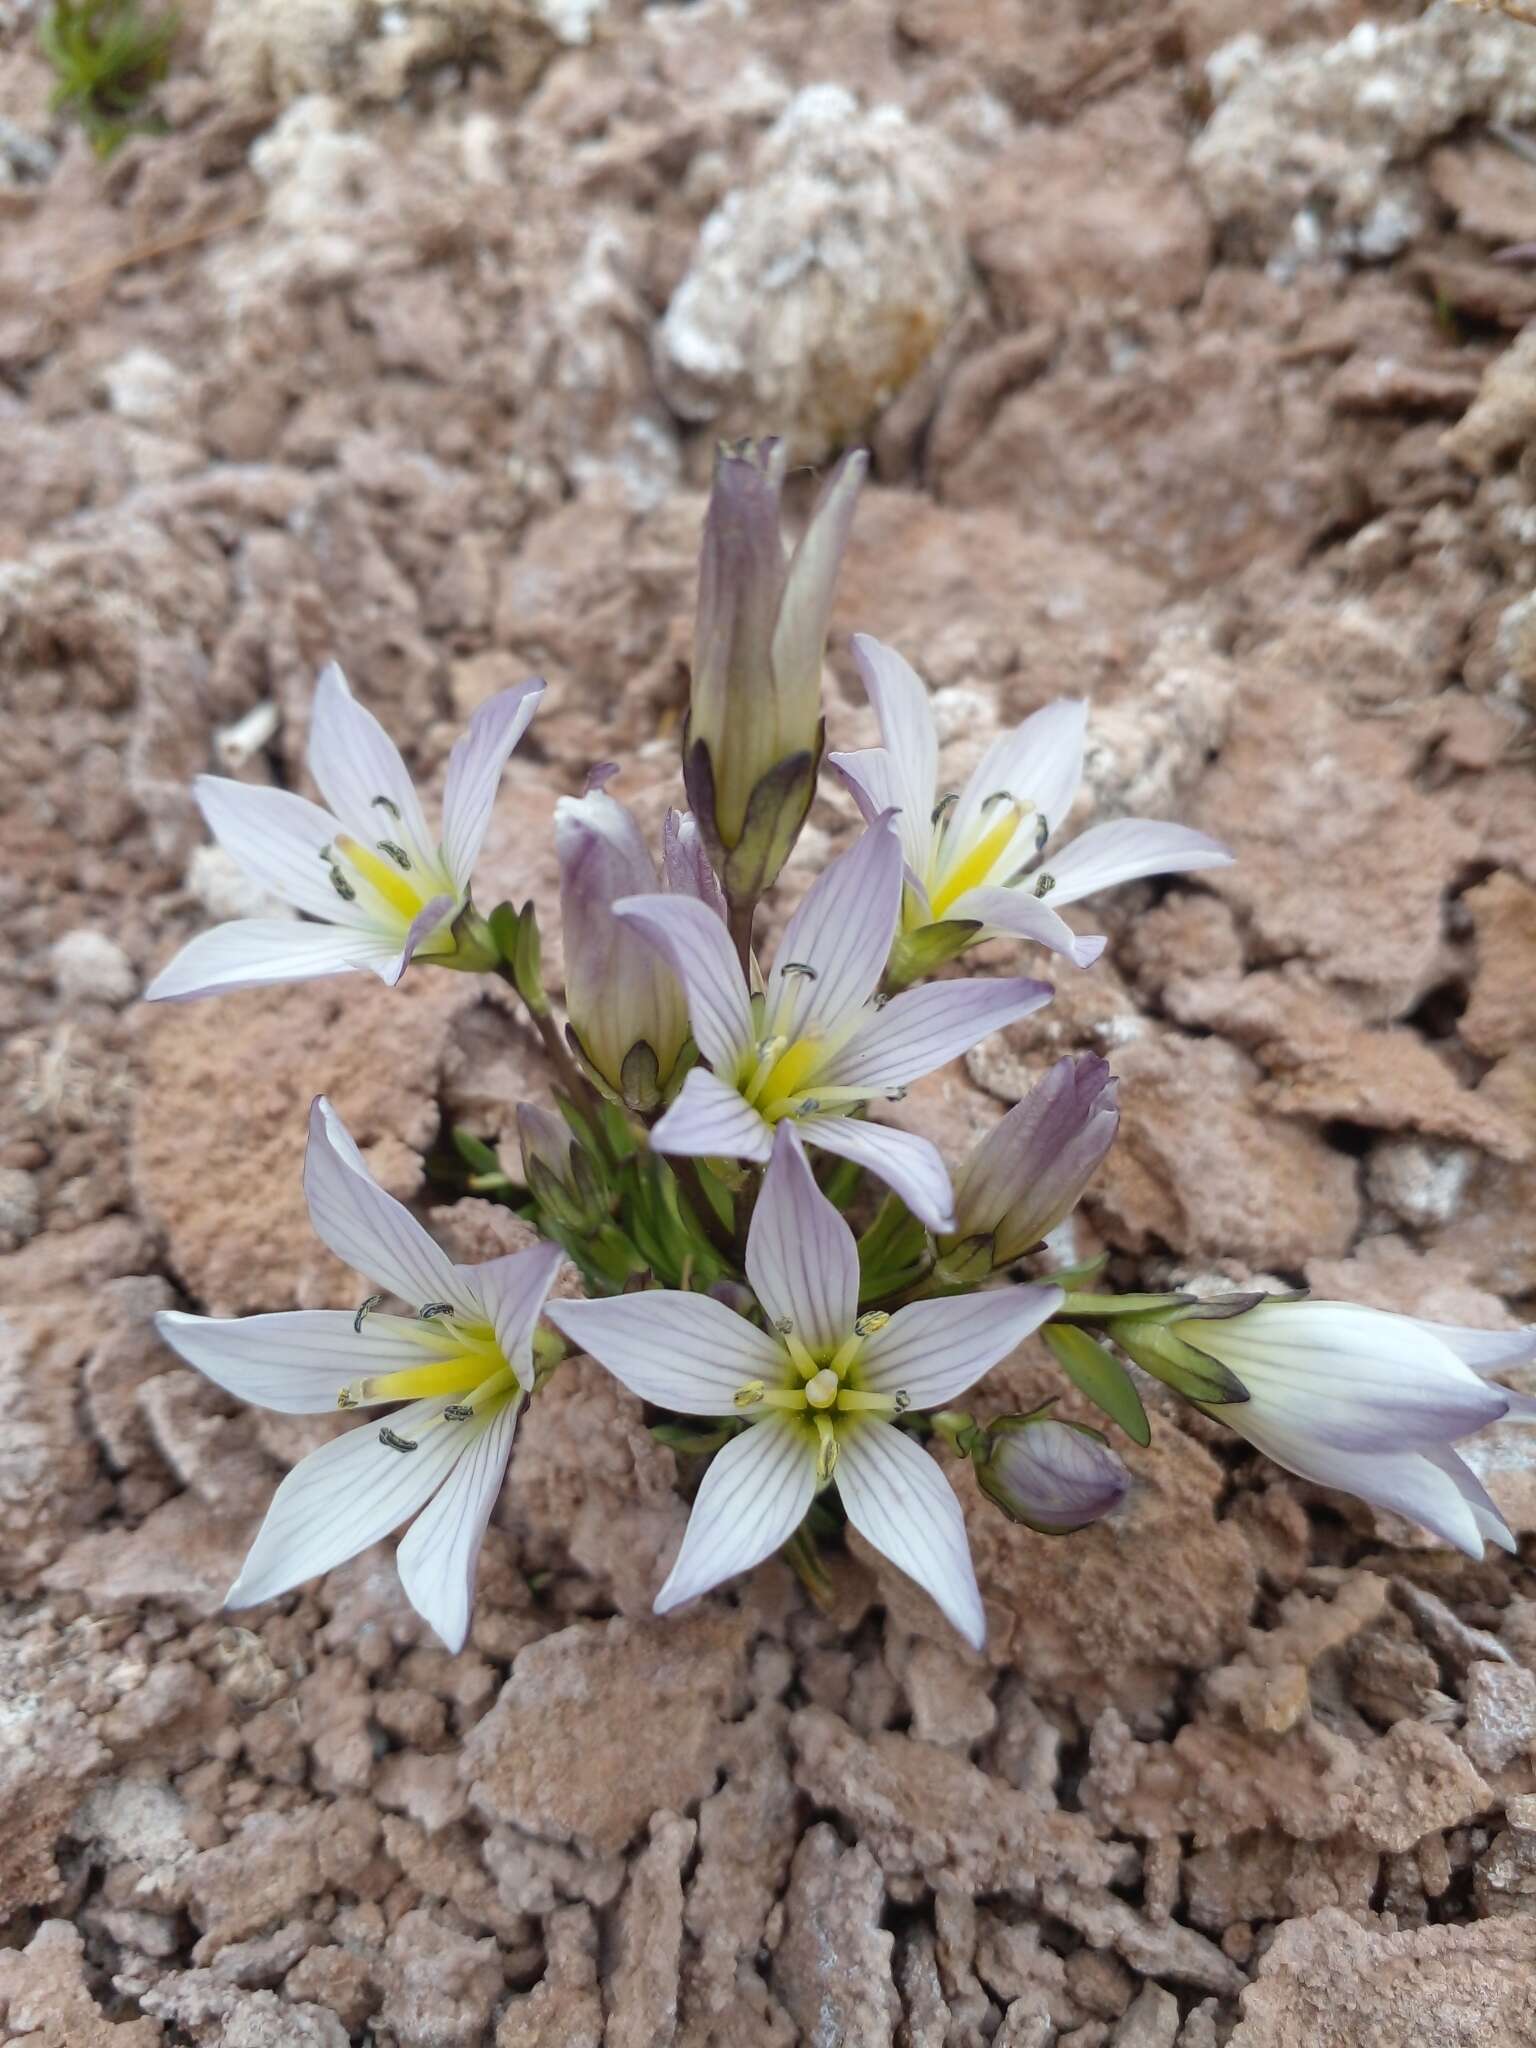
(417, 933)
(344, 1497)
(296, 1362)
(805, 608)
(474, 774)
(1408, 1482)
(842, 933)
(753, 1498)
(802, 1261)
(513, 1291)
(254, 952)
(1491, 1524)
(709, 1120)
(1020, 914)
(685, 862)
(928, 1026)
(440, 1552)
(368, 1229)
(1126, 849)
(355, 763)
(907, 732)
(934, 1350)
(899, 1500)
(1030, 1171)
(873, 779)
(698, 946)
(1486, 1351)
(686, 1352)
(908, 1165)
(1355, 1378)
(1040, 764)
(278, 839)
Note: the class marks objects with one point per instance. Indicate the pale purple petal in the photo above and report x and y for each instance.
(355, 763)
(907, 732)
(685, 862)
(1409, 1483)
(710, 1120)
(908, 1165)
(421, 927)
(619, 990)
(296, 1362)
(1126, 849)
(1354, 1378)
(1040, 764)
(277, 838)
(926, 1027)
(512, 1291)
(440, 1552)
(698, 947)
(805, 609)
(1020, 914)
(898, 1500)
(1052, 1476)
(801, 1258)
(933, 1350)
(368, 1229)
(474, 774)
(686, 1352)
(1485, 1513)
(752, 1500)
(255, 952)
(871, 778)
(842, 933)
(345, 1496)
(1029, 1172)
(1486, 1351)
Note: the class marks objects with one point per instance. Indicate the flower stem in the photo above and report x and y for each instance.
(741, 910)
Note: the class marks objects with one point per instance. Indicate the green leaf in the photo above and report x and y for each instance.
(475, 1153)
(1101, 1377)
(1102, 1307)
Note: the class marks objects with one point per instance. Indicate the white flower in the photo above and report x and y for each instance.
(1370, 1403)
(462, 1361)
(820, 1387)
(977, 858)
(383, 889)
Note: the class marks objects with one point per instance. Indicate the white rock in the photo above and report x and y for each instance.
(144, 385)
(90, 967)
(21, 1209)
(819, 288)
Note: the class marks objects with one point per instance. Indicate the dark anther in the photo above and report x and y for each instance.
(393, 808)
(367, 1309)
(1044, 884)
(798, 967)
(944, 806)
(429, 1309)
(391, 1442)
(456, 1411)
(397, 854)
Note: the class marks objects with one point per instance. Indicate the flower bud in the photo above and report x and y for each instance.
(559, 1174)
(626, 1008)
(754, 735)
(685, 862)
(1029, 1173)
(1052, 1476)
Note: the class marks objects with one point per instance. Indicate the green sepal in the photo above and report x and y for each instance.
(915, 954)
(776, 810)
(1222, 1307)
(515, 934)
(1104, 1307)
(640, 1079)
(964, 1261)
(475, 1153)
(1162, 1352)
(1101, 1377)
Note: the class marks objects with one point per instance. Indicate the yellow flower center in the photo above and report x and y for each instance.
(973, 869)
(822, 1389)
(468, 1364)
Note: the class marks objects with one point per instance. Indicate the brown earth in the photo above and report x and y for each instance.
(1195, 387)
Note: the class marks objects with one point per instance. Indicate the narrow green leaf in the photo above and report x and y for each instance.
(1102, 1378)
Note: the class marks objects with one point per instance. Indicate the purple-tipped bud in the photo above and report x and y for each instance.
(685, 862)
(625, 1004)
(545, 1140)
(1052, 1476)
(1030, 1172)
(760, 634)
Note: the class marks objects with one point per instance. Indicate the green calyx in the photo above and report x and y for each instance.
(1159, 1350)
(918, 953)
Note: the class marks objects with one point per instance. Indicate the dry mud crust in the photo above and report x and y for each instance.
(1197, 389)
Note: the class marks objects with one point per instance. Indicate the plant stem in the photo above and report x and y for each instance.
(740, 912)
(575, 1083)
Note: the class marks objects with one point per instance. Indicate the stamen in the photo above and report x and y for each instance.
(1042, 833)
(396, 853)
(826, 1456)
(855, 1401)
(384, 803)
(351, 1396)
(429, 1309)
(342, 886)
(458, 1411)
(974, 867)
(783, 1324)
(872, 1321)
(367, 1309)
(798, 967)
(998, 796)
(748, 1394)
(391, 1442)
(1044, 884)
(944, 806)
(802, 1360)
(846, 1353)
(895, 1094)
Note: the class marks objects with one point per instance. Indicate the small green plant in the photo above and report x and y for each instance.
(108, 56)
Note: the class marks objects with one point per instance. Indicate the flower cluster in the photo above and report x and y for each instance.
(764, 1254)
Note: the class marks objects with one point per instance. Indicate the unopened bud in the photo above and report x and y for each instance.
(1051, 1476)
